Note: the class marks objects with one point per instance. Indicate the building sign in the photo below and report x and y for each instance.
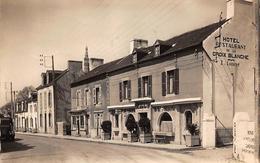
(243, 138)
(229, 51)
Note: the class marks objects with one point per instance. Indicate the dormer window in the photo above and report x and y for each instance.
(134, 57)
(157, 50)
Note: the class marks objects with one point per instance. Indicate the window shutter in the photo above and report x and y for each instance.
(120, 92)
(167, 74)
(150, 86)
(163, 84)
(129, 89)
(99, 95)
(94, 96)
(139, 87)
(176, 81)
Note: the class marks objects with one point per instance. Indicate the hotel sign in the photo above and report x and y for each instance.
(229, 51)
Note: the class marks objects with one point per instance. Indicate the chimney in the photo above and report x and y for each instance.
(86, 61)
(44, 80)
(137, 43)
(74, 66)
(238, 9)
(95, 62)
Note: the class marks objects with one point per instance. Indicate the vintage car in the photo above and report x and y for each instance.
(7, 129)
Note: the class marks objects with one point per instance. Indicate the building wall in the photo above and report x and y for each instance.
(190, 85)
(95, 111)
(233, 93)
(32, 116)
(190, 65)
(48, 124)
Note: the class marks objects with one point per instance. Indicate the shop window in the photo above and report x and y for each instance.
(50, 120)
(40, 120)
(166, 123)
(74, 123)
(116, 120)
(188, 117)
(81, 121)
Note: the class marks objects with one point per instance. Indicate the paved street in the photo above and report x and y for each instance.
(41, 149)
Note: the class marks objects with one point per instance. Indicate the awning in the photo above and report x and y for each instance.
(78, 111)
(112, 107)
(178, 101)
(143, 99)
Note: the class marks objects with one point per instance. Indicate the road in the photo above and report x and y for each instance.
(33, 149)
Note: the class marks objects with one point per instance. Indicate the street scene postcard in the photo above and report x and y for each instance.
(133, 81)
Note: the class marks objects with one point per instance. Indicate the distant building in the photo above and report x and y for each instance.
(21, 115)
(54, 99)
(89, 99)
(32, 112)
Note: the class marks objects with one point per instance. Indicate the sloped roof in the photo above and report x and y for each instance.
(58, 75)
(100, 70)
(174, 44)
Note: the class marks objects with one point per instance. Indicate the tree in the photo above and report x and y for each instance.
(24, 93)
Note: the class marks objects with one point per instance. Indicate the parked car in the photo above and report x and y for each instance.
(7, 129)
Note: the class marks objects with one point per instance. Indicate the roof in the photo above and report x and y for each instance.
(172, 45)
(100, 70)
(59, 75)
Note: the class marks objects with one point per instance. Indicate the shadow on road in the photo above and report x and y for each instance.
(15, 146)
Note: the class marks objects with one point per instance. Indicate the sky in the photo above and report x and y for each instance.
(64, 28)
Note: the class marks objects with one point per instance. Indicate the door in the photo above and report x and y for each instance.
(45, 123)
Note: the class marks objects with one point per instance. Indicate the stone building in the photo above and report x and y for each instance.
(89, 98)
(54, 99)
(21, 115)
(32, 112)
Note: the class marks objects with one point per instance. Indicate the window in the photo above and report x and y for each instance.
(97, 95)
(45, 100)
(40, 101)
(35, 121)
(78, 98)
(116, 120)
(157, 50)
(170, 82)
(145, 86)
(81, 121)
(35, 108)
(125, 90)
(86, 96)
(188, 117)
(31, 109)
(49, 99)
(74, 121)
(50, 120)
(40, 120)
(31, 121)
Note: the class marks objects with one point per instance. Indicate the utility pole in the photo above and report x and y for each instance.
(43, 63)
(12, 108)
(257, 86)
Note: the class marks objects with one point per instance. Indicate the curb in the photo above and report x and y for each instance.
(120, 144)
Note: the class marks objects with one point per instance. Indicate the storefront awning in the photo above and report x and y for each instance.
(178, 101)
(79, 111)
(112, 107)
(143, 99)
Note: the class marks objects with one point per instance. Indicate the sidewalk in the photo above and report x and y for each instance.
(168, 147)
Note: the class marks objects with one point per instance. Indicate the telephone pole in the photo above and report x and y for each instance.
(12, 108)
(257, 86)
